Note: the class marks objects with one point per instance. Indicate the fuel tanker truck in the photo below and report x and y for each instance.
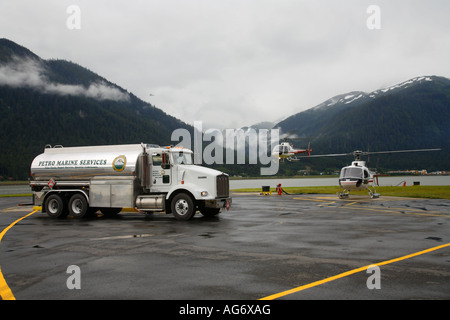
(79, 181)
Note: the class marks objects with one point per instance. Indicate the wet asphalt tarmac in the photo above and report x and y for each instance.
(263, 246)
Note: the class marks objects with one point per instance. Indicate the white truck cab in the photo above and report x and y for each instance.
(82, 180)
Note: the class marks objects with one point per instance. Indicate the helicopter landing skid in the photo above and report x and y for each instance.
(344, 194)
(373, 194)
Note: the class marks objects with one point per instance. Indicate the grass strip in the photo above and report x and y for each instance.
(428, 192)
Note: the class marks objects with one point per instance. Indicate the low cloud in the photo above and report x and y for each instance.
(31, 73)
(96, 90)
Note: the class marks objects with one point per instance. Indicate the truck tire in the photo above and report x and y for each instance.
(55, 207)
(183, 207)
(78, 206)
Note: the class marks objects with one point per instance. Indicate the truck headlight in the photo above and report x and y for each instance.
(204, 193)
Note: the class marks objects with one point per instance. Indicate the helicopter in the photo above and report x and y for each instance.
(357, 176)
(286, 150)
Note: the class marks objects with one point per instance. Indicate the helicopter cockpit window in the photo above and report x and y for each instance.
(280, 149)
(350, 172)
(366, 174)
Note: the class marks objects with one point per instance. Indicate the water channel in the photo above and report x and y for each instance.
(286, 182)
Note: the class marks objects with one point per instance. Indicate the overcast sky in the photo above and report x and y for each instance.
(231, 63)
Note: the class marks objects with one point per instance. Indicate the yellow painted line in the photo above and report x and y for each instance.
(5, 291)
(314, 199)
(130, 210)
(348, 273)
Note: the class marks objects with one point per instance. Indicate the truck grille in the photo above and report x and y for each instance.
(223, 186)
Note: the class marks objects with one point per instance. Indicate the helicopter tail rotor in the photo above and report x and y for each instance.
(308, 151)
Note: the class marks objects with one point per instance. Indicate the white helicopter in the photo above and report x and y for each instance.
(286, 150)
(357, 176)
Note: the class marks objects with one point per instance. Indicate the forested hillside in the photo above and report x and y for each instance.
(410, 116)
(59, 102)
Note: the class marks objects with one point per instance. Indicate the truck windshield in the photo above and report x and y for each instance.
(182, 157)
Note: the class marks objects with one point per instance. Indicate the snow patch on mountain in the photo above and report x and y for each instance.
(403, 85)
(354, 96)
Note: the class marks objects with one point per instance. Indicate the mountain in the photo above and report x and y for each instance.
(60, 102)
(411, 115)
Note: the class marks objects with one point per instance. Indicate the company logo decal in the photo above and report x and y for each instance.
(119, 163)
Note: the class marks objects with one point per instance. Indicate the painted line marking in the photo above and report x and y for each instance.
(348, 273)
(5, 291)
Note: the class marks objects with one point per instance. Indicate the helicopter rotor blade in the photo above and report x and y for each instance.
(327, 155)
(399, 151)
(361, 153)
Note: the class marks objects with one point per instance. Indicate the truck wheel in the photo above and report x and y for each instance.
(55, 206)
(183, 207)
(78, 206)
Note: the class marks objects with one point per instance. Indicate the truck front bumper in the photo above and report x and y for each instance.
(219, 203)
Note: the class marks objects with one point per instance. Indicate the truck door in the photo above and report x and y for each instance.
(161, 169)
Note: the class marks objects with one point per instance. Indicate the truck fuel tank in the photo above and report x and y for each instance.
(151, 202)
(84, 163)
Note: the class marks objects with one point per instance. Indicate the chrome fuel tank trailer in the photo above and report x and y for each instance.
(84, 163)
(81, 180)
